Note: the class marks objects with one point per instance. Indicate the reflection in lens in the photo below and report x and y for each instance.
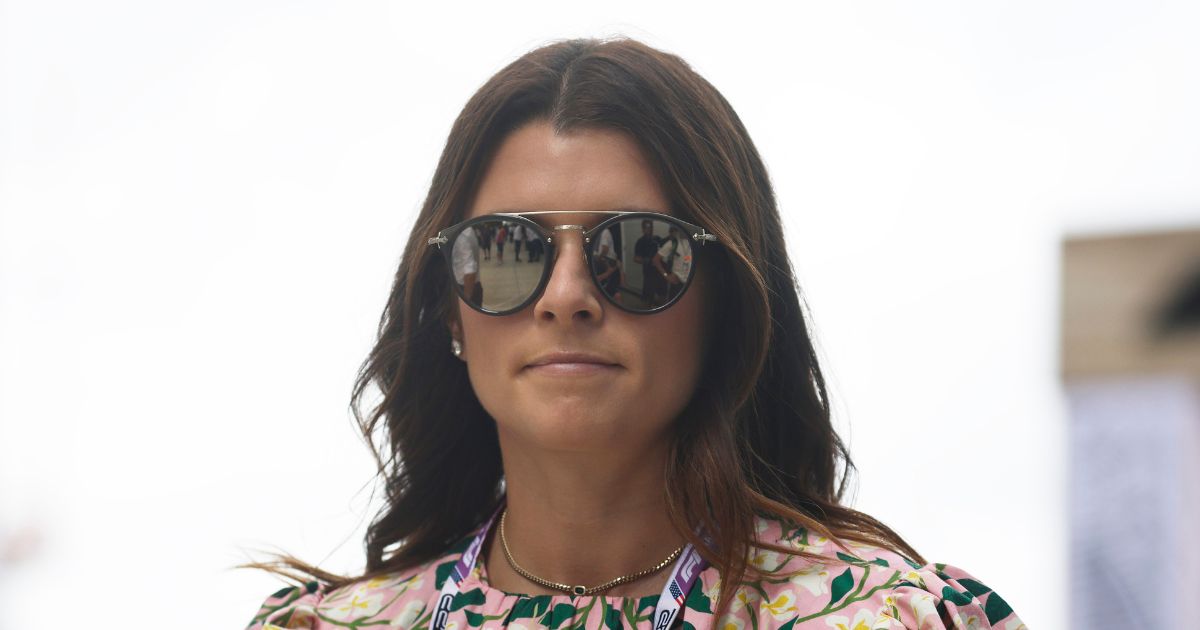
(496, 283)
(640, 263)
(649, 274)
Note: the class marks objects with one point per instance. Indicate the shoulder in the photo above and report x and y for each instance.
(860, 586)
(401, 598)
(941, 593)
(289, 607)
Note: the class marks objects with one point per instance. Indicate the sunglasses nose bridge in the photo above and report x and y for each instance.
(559, 231)
(568, 285)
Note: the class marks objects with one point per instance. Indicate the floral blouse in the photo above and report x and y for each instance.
(868, 589)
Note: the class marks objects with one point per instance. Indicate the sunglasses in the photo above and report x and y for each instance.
(642, 262)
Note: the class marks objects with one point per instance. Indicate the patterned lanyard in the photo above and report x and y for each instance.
(686, 570)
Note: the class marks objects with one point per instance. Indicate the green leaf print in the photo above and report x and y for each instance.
(612, 617)
(859, 562)
(856, 596)
(291, 592)
(442, 572)
(977, 588)
(797, 535)
(996, 608)
(581, 614)
(697, 600)
(473, 597)
(558, 615)
(851, 559)
(528, 608)
(474, 619)
(788, 625)
(840, 586)
(631, 611)
(959, 598)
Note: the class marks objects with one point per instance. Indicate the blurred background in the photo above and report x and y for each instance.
(993, 210)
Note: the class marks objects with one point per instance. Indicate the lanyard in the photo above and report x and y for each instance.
(683, 575)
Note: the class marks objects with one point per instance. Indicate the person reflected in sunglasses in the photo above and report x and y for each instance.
(644, 251)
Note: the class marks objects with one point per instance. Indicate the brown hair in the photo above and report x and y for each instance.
(756, 437)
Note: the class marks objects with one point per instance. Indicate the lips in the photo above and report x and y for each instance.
(562, 363)
(574, 358)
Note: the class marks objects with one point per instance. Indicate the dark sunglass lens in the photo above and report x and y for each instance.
(642, 263)
(497, 263)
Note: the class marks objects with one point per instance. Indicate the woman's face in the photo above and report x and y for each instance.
(652, 361)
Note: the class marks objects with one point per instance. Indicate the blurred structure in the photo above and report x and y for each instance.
(1131, 372)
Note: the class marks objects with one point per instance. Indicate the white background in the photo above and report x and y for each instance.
(202, 205)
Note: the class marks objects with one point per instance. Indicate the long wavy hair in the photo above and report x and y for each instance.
(755, 439)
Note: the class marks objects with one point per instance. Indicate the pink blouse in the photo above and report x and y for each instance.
(861, 588)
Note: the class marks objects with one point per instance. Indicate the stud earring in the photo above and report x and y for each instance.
(456, 347)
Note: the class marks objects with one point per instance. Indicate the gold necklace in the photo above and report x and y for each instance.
(578, 590)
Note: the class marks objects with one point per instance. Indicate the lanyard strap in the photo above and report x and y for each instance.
(684, 573)
(683, 576)
(460, 571)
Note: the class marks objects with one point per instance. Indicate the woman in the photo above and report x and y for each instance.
(556, 457)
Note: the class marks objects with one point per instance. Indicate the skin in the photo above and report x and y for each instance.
(583, 447)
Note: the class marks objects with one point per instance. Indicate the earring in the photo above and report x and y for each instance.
(456, 347)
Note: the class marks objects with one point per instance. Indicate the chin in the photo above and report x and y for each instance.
(570, 428)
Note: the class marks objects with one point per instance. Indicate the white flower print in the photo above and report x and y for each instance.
(782, 606)
(713, 591)
(972, 622)
(816, 543)
(814, 578)
(408, 616)
(357, 606)
(915, 578)
(731, 622)
(765, 560)
(922, 607)
(743, 598)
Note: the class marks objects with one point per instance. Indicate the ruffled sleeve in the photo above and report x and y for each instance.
(937, 596)
(290, 607)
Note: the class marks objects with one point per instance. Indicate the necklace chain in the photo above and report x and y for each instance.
(579, 590)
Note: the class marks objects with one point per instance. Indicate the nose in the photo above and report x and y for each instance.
(570, 295)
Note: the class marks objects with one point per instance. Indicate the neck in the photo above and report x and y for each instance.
(583, 519)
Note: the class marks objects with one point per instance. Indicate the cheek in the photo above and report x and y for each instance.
(673, 341)
(485, 353)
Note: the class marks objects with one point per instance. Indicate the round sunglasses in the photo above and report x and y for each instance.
(641, 261)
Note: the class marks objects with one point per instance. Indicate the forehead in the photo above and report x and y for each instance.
(578, 175)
